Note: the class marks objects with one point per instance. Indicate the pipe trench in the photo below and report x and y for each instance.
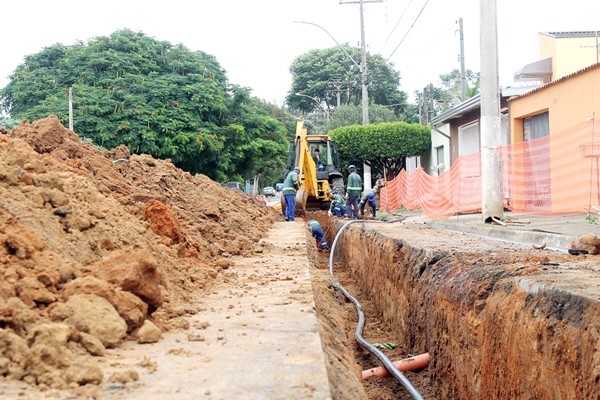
(494, 329)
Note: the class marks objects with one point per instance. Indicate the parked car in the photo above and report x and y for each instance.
(279, 187)
(268, 191)
(233, 185)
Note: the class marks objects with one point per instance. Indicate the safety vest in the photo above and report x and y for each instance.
(313, 223)
(354, 184)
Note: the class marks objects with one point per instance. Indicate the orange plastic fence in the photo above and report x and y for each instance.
(553, 175)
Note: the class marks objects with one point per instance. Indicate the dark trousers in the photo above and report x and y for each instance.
(371, 203)
(339, 210)
(352, 207)
(318, 234)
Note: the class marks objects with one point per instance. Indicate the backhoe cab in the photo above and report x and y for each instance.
(314, 179)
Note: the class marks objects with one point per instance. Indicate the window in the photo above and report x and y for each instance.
(439, 155)
(536, 126)
(412, 163)
(468, 139)
(468, 151)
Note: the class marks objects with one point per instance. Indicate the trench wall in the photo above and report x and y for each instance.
(491, 333)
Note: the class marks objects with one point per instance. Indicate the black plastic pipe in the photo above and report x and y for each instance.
(389, 365)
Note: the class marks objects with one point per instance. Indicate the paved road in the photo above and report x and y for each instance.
(271, 201)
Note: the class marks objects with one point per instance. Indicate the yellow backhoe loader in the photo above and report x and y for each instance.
(315, 178)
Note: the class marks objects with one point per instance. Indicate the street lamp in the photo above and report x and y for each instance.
(362, 67)
(363, 78)
(326, 111)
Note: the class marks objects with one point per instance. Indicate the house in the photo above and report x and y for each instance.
(561, 54)
(455, 132)
(550, 132)
(557, 148)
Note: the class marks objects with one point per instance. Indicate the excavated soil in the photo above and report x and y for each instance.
(97, 247)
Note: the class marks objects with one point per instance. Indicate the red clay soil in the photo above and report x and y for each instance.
(100, 246)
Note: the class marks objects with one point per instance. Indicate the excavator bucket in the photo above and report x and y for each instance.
(301, 196)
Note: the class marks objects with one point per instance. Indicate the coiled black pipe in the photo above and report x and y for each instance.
(389, 365)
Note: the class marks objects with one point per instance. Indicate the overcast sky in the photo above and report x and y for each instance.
(256, 41)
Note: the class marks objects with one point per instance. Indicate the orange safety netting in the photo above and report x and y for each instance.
(553, 175)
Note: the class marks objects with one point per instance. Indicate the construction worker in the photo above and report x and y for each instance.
(369, 197)
(337, 206)
(353, 191)
(318, 160)
(290, 185)
(315, 228)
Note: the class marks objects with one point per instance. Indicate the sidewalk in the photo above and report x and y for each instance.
(256, 335)
(556, 231)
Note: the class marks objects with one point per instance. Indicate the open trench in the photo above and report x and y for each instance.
(493, 316)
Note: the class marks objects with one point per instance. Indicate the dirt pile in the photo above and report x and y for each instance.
(96, 244)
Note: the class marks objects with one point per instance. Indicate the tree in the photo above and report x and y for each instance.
(451, 84)
(8, 123)
(155, 97)
(258, 143)
(328, 78)
(383, 146)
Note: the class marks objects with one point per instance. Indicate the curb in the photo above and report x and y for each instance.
(554, 241)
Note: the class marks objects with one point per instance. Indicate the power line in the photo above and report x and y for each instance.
(409, 29)
(434, 41)
(395, 26)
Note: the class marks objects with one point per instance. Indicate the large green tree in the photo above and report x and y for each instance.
(383, 146)
(154, 97)
(328, 78)
(258, 142)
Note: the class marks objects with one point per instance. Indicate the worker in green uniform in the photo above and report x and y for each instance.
(353, 191)
(290, 185)
(337, 206)
(369, 197)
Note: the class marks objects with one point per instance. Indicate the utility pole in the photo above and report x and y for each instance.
(337, 84)
(364, 77)
(490, 126)
(463, 80)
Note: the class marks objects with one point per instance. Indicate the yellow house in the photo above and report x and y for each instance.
(555, 135)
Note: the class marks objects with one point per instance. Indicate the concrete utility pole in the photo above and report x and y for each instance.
(490, 125)
(337, 84)
(463, 79)
(364, 77)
